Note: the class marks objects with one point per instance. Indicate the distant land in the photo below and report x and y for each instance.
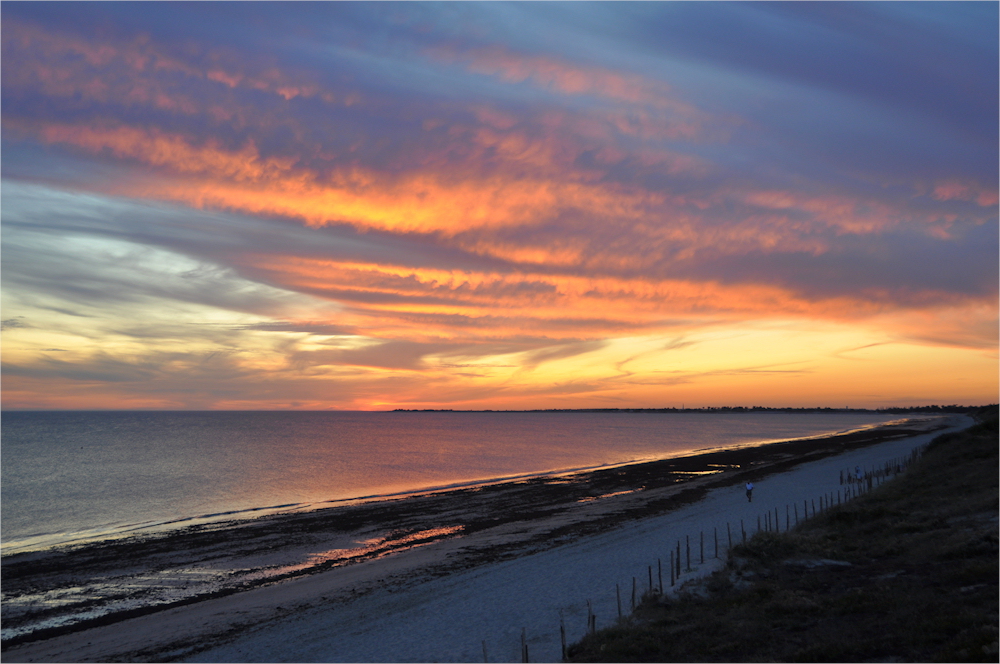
(953, 408)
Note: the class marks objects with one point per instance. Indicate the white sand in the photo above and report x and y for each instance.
(405, 617)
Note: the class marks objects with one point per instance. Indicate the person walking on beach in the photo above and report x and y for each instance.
(749, 492)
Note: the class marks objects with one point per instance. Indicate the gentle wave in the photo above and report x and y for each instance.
(51, 540)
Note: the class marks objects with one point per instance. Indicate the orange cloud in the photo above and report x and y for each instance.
(174, 151)
(965, 191)
(653, 109)
(130, 70)
(536, 159)
(400, 302)
(564, 252)
(553, 141)
(563, 77)
(526, 188)
(846, 214)
(422, 203)
(971, 325)
(418, 202)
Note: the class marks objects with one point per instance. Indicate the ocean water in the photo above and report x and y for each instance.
(72, 476)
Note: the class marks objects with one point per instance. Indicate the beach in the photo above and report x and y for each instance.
(436, 577)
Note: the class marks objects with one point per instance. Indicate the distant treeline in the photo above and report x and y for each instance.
(953, 408)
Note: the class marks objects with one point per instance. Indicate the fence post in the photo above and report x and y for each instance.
(687, 547)
(796, 513)
(524, 647)
(715, 533)
(659, 574)
(562, 635)
(671, 568)
(702, 547)
(777, 521)
(633, 593)
(487, 659)
(650, 568)
(618, 596)
(729, 533)
(678, 560)
(744, 531)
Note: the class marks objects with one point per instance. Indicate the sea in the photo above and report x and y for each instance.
(70, 477)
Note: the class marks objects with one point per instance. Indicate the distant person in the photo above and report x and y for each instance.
(857, 473)
(750, 492)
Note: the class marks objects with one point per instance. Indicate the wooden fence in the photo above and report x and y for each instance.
(854, 483)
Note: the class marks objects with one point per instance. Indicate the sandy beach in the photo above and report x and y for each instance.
(437, 577)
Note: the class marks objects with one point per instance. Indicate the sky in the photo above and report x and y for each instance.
(488, 205)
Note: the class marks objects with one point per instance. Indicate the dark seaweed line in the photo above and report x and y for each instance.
(118, 616)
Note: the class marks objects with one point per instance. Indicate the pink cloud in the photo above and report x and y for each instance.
(965, 191)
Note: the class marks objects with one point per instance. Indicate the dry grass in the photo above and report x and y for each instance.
(921, 584)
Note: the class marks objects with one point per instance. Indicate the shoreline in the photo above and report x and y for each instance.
(425, 535)
(103, 534)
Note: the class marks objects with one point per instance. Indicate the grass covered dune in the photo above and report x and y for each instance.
(906, 573)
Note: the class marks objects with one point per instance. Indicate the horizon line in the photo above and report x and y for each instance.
(927, 407)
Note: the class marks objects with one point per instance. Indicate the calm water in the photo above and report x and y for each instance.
(71, 475)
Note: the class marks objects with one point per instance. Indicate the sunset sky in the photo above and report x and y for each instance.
(368, 206)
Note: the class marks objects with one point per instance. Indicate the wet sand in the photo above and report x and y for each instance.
(173, 596)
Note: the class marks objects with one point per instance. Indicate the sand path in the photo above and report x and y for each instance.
(386, 610)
